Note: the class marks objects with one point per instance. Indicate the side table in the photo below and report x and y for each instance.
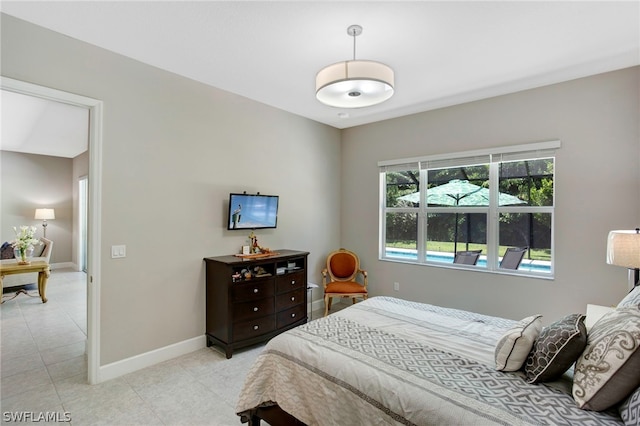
(310, 287)
(8, 267)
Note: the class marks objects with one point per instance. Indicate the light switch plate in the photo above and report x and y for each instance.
(118, 251)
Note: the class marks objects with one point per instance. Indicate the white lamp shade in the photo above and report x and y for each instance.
(623, 249)
(354, 84)
(45, 214)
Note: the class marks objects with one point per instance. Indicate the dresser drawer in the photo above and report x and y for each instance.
(253, 309)
(288, 300)
(253, 290)
(291, 315)
(290, 282)
(247, 329)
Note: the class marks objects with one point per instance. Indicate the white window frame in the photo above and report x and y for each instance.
(493, 157)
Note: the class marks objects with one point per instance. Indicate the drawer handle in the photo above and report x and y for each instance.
(293, 315)
(255, 290)
(255, 327)
(293, 299)
(255, 309)
(293, 282)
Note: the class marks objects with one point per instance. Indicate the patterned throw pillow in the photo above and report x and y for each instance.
(607, 370)
(514, 346)
(630, 409)
(6, 251)
(631, 299)
(556, 349)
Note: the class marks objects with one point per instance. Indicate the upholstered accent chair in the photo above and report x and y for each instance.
(339, 278)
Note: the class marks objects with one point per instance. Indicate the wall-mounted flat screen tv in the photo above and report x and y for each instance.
(252, 211)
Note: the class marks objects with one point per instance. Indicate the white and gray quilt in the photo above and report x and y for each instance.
(388, 361)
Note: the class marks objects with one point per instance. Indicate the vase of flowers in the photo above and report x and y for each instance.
(23, 244)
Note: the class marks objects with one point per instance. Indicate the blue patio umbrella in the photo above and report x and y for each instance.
(458, 192)
(461, 193)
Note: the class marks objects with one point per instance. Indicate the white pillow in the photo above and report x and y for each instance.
(594, 313)
(514, 346)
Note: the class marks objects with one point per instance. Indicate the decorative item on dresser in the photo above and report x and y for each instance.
(250, 300)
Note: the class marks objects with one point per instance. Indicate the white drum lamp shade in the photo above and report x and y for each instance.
(354, 84)
(44, 215)
(623, 249)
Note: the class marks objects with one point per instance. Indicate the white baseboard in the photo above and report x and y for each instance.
(138, 362)
(63, 265)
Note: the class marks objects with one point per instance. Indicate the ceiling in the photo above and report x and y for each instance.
(443, 53)
(39, 126)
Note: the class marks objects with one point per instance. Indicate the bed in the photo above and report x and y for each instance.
(387, 361)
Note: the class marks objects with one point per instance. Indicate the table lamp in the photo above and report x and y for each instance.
(44, 215)
(623, 249)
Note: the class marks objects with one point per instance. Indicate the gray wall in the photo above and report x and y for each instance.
(597, 190)
(173, 149)
(31, 181)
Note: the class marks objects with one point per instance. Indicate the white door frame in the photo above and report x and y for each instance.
(83, 204)
(94, 218)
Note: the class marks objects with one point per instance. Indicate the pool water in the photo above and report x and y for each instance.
(406, 254)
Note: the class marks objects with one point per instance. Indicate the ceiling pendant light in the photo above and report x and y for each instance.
(354, 84)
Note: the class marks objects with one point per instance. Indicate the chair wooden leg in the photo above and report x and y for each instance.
(354, 300)
(327, 305)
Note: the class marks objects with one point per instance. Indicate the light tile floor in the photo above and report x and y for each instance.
(43, 369)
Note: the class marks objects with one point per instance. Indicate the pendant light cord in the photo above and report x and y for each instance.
(354, 44)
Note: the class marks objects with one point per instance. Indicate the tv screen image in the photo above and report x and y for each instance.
(252, 211)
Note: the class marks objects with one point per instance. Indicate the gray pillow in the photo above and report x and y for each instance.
(630, 409)
(556, 349)
(607, 370)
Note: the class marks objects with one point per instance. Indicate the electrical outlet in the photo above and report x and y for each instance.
(396, 286)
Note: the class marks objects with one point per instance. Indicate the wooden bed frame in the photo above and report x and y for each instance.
(274, 415)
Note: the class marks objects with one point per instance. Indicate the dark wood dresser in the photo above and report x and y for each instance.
(251, 300)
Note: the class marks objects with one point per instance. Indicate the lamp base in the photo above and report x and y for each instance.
(634, 278)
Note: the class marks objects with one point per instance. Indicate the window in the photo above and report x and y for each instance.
(492, 200)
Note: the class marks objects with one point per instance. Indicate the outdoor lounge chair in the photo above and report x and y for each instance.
(469, 257)
(512, 257)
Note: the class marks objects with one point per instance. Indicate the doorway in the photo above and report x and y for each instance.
(91, 251)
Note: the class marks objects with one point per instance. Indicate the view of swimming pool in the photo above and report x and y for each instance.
(407, 254)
